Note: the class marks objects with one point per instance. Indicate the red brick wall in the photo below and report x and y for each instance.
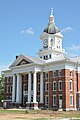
(9, 83)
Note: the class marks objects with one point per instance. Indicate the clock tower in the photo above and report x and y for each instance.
(51, 40)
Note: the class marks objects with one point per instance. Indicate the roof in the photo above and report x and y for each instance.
(30, 59)
(39, 61)
(75, 59)
(51, 29)
(59, 57)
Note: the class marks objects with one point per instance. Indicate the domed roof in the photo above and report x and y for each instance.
(51, 29)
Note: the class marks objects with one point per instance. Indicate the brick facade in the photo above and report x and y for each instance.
(48, 93)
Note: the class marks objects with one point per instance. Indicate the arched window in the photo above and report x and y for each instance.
(71, 85)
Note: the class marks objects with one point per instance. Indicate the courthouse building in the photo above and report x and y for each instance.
(50, 81)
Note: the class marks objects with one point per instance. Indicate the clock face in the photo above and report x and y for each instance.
(58, 41)
(45, 42)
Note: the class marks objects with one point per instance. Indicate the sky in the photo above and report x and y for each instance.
(23, 21)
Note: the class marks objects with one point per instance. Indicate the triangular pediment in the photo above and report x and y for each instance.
(21, 60)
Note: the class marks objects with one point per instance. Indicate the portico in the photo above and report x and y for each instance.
(17, 90)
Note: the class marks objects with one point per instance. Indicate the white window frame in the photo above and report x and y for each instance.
(71, 101)
(46, 57)
(71, 85)
(60, 73)
(60, 81)
(54, 102)
(46, 98)
(54, 75)
(11, 88)
(46, 83)
(7, 89)
(54, 82)
(46, 75)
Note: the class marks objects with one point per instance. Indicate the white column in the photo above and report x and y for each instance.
(18, 89)
(41, 87)
(13, 89)
(29, 87)
(34, 87)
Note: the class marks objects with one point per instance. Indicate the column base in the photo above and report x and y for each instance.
(31, 105)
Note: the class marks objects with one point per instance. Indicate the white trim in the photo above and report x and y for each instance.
(71, 81)
(46, 103)
(60, 81)
(53, 85)
(54, 75)
(29, 87)
(41, 87)
(7, 89)
(71, 100)
(53, 100)
(46, 83)
(10, 88)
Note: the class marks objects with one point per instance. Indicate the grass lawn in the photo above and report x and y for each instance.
(37, 114)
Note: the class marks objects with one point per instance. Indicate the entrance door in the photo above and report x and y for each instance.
(60, 102)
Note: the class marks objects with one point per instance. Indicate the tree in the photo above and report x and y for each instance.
(1, 87)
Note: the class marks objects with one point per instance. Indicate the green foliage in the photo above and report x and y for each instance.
(1, 87)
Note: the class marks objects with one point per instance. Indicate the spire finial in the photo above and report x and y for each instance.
(51, 11)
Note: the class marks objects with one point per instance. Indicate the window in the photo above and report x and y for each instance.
(60, 85)
(40, 56)
(24, 87)
(7, 90)
(32, 98)
(7, 80)
(54, 100)
(54, 85)
(46, 100)
(38, 87)
(71, 100)
(70, 73)
(49, 56)
(54, 73)
(46, 86)
(46, 57)
(38, 98)
(7, 97)
(11, 78)
(25, 77)
(46, 76)
(38, 76)
(71, 85)
(11, 89)
(23, 62)
(60, 72)
(10, 97)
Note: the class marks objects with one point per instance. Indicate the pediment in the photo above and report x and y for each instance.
(22, 62)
